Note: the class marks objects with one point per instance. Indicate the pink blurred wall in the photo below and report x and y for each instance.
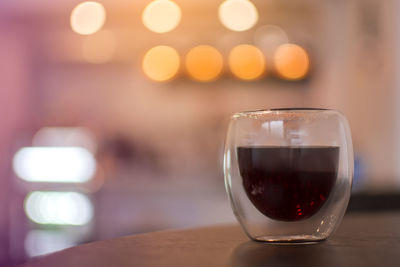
(14, 101)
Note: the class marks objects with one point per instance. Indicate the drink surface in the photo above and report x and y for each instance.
(288, 183)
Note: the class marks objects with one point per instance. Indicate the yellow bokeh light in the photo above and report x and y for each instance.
(88, 17)
(99, 48)
(161, 16)
(238, 15)
(291, 62)
(161, 63)
(204, 63)
(246, 62)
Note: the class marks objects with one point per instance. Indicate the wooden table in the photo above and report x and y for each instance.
(370, 239)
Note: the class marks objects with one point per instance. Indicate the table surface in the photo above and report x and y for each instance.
(368, 239)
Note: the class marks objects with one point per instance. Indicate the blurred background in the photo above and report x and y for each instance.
(113, 113)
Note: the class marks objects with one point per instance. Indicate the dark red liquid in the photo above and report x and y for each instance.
(288, 183)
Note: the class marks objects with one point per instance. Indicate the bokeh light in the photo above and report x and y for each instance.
(63, 208)
(41, 242)
(161, 63)
(54, 164)
(247, 62)
(88, 17)
(161, 16)
(291, 62)
(238, 15)
(99, 48)
(65, 136)
(268, 38)
(204, 63)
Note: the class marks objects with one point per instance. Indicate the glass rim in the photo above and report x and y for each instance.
(299, 109)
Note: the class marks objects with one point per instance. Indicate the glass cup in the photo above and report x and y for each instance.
(288, 172)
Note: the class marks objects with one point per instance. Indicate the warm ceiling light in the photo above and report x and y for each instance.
(204, 63)
(161, 16)
(291, 62)
(246, 62)
(88, 17)
(161, 63)
(238, 15)
(99, 48)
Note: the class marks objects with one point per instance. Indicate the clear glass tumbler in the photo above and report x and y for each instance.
(288, 172)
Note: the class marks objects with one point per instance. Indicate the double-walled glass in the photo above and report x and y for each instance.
(288, 172)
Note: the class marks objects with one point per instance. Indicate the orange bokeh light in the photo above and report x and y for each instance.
(247, 62)
(204, 63)
(291, 62)
(161, 63)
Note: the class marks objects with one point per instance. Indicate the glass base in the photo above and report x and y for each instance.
(291, 239)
